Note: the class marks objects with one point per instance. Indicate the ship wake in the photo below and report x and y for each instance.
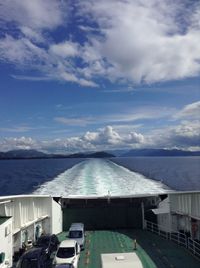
(100, 177)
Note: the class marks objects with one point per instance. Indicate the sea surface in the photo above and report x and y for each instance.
(118, 176)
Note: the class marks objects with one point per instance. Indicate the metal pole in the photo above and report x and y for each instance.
(143, 219)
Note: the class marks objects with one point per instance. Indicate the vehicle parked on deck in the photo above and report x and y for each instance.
(33, 258)
(76, 232)
(68, 252)
(48, 242)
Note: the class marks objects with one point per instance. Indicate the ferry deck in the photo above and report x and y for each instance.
(163, 230)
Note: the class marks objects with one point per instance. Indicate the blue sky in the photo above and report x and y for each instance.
(86, 75)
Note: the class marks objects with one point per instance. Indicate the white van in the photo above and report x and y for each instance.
(76, 232)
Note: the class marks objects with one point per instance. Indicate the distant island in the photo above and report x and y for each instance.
(159, 152)
(34, 154)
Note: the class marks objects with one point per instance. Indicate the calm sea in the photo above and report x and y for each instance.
(99, 176)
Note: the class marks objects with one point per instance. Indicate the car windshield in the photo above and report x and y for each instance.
(32, 263)
(65, 253)
(75, 234)
(43, 241)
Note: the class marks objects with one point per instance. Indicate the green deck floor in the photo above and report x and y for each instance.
(154, 251)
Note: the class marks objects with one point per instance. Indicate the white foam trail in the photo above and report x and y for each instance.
(97, 177)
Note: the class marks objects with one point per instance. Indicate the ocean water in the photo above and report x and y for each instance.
(24, 176)
(121, 176)
(100, 177)
(179, 173)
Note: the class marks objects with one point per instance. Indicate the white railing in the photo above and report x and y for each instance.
(177, 237)
(155, 228)
(194, 247)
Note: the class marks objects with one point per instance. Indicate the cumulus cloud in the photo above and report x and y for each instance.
(187, 133)
(24, 143)
(127, 42)
(182, 131)
(145, 41)
(105, 138)
(184, 135)
(134, 137)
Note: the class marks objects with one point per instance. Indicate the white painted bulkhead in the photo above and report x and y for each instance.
(163, 215)
(180, 211)
(6, 243)
(31, 216)
(56, 218)
(185, 208)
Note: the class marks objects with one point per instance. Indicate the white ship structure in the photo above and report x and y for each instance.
(24, 218)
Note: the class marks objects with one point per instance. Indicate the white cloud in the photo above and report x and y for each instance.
(185, 135)
(21, 51)
(67, 76)
(120, 90)
(189, 111)
(87, 83)
(32, 24)
(37, 14)
(65, 49)
(144, 41)
(72, 77)
(73, 121)
(136, 138)
(140, 113)
(32, 34)
(129, 42)
(126, 128)
(120, 132)
(123, 120)
(52, 64)
(16, 129)
(105, 138)
(31, 78)
(25, 143)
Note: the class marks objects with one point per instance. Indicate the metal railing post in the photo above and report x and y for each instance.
(177, 237)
